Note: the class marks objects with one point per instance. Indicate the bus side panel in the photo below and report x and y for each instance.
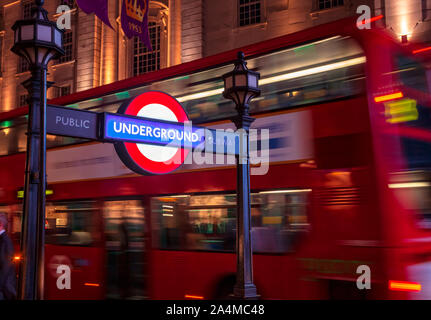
(86, 276)
(185, 274)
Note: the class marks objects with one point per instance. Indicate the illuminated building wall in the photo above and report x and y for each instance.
(184, 30)
(234, 28)
(408, 20)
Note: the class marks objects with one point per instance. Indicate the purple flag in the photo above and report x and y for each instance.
(98, 7)
(134, 20)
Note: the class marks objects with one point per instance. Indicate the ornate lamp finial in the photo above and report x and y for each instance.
(241, 63)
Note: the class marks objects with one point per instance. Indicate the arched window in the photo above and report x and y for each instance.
(26, 9)
(67, 46)
(70, 3)
(250, 12)
(327, 4)
(143, 60)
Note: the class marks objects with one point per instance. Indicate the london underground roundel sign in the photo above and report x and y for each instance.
(149, 158)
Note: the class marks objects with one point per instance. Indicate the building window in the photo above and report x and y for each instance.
(249, 12)
(70, 3)
(143, 60)
(63, 91)
(1, 54)
(23, 100)
(67, 46)
(26, 9)
(23, 65)
(327, 4)
(1, 19)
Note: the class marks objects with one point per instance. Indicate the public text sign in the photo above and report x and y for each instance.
(72, 122)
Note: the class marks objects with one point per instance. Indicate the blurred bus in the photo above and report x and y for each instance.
(348, 183)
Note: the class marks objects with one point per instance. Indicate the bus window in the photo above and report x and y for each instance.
(411, 116)
(413, 189)
(125, 233)
(411, 73)
(15, 230)
(14, 212)
(12, 136)
(205, 222)
(71, 223)
(282, 220)
(208, 222)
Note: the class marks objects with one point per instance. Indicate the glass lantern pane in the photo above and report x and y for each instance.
(252, 81)
(57, 38)
(44, 33)
(27, 32)
(240, 80)
(228, 83)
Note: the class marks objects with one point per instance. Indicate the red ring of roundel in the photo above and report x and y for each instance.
(132, 149)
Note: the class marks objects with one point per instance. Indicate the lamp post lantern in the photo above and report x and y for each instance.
(37, 40)
(241, 85)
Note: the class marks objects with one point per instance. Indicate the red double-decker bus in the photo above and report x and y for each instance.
(342, 197)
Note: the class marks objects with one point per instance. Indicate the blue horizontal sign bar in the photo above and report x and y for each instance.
(165, 133)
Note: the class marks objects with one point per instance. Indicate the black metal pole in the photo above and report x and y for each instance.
(42, 188)
(244, 287)
(30, 247)
(38, 48)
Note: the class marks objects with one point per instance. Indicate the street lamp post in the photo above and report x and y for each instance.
(37, 40)
(241, 85)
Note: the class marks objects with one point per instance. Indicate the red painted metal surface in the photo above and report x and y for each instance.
(87, 272)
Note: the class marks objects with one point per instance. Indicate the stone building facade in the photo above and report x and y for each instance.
(181, 31)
